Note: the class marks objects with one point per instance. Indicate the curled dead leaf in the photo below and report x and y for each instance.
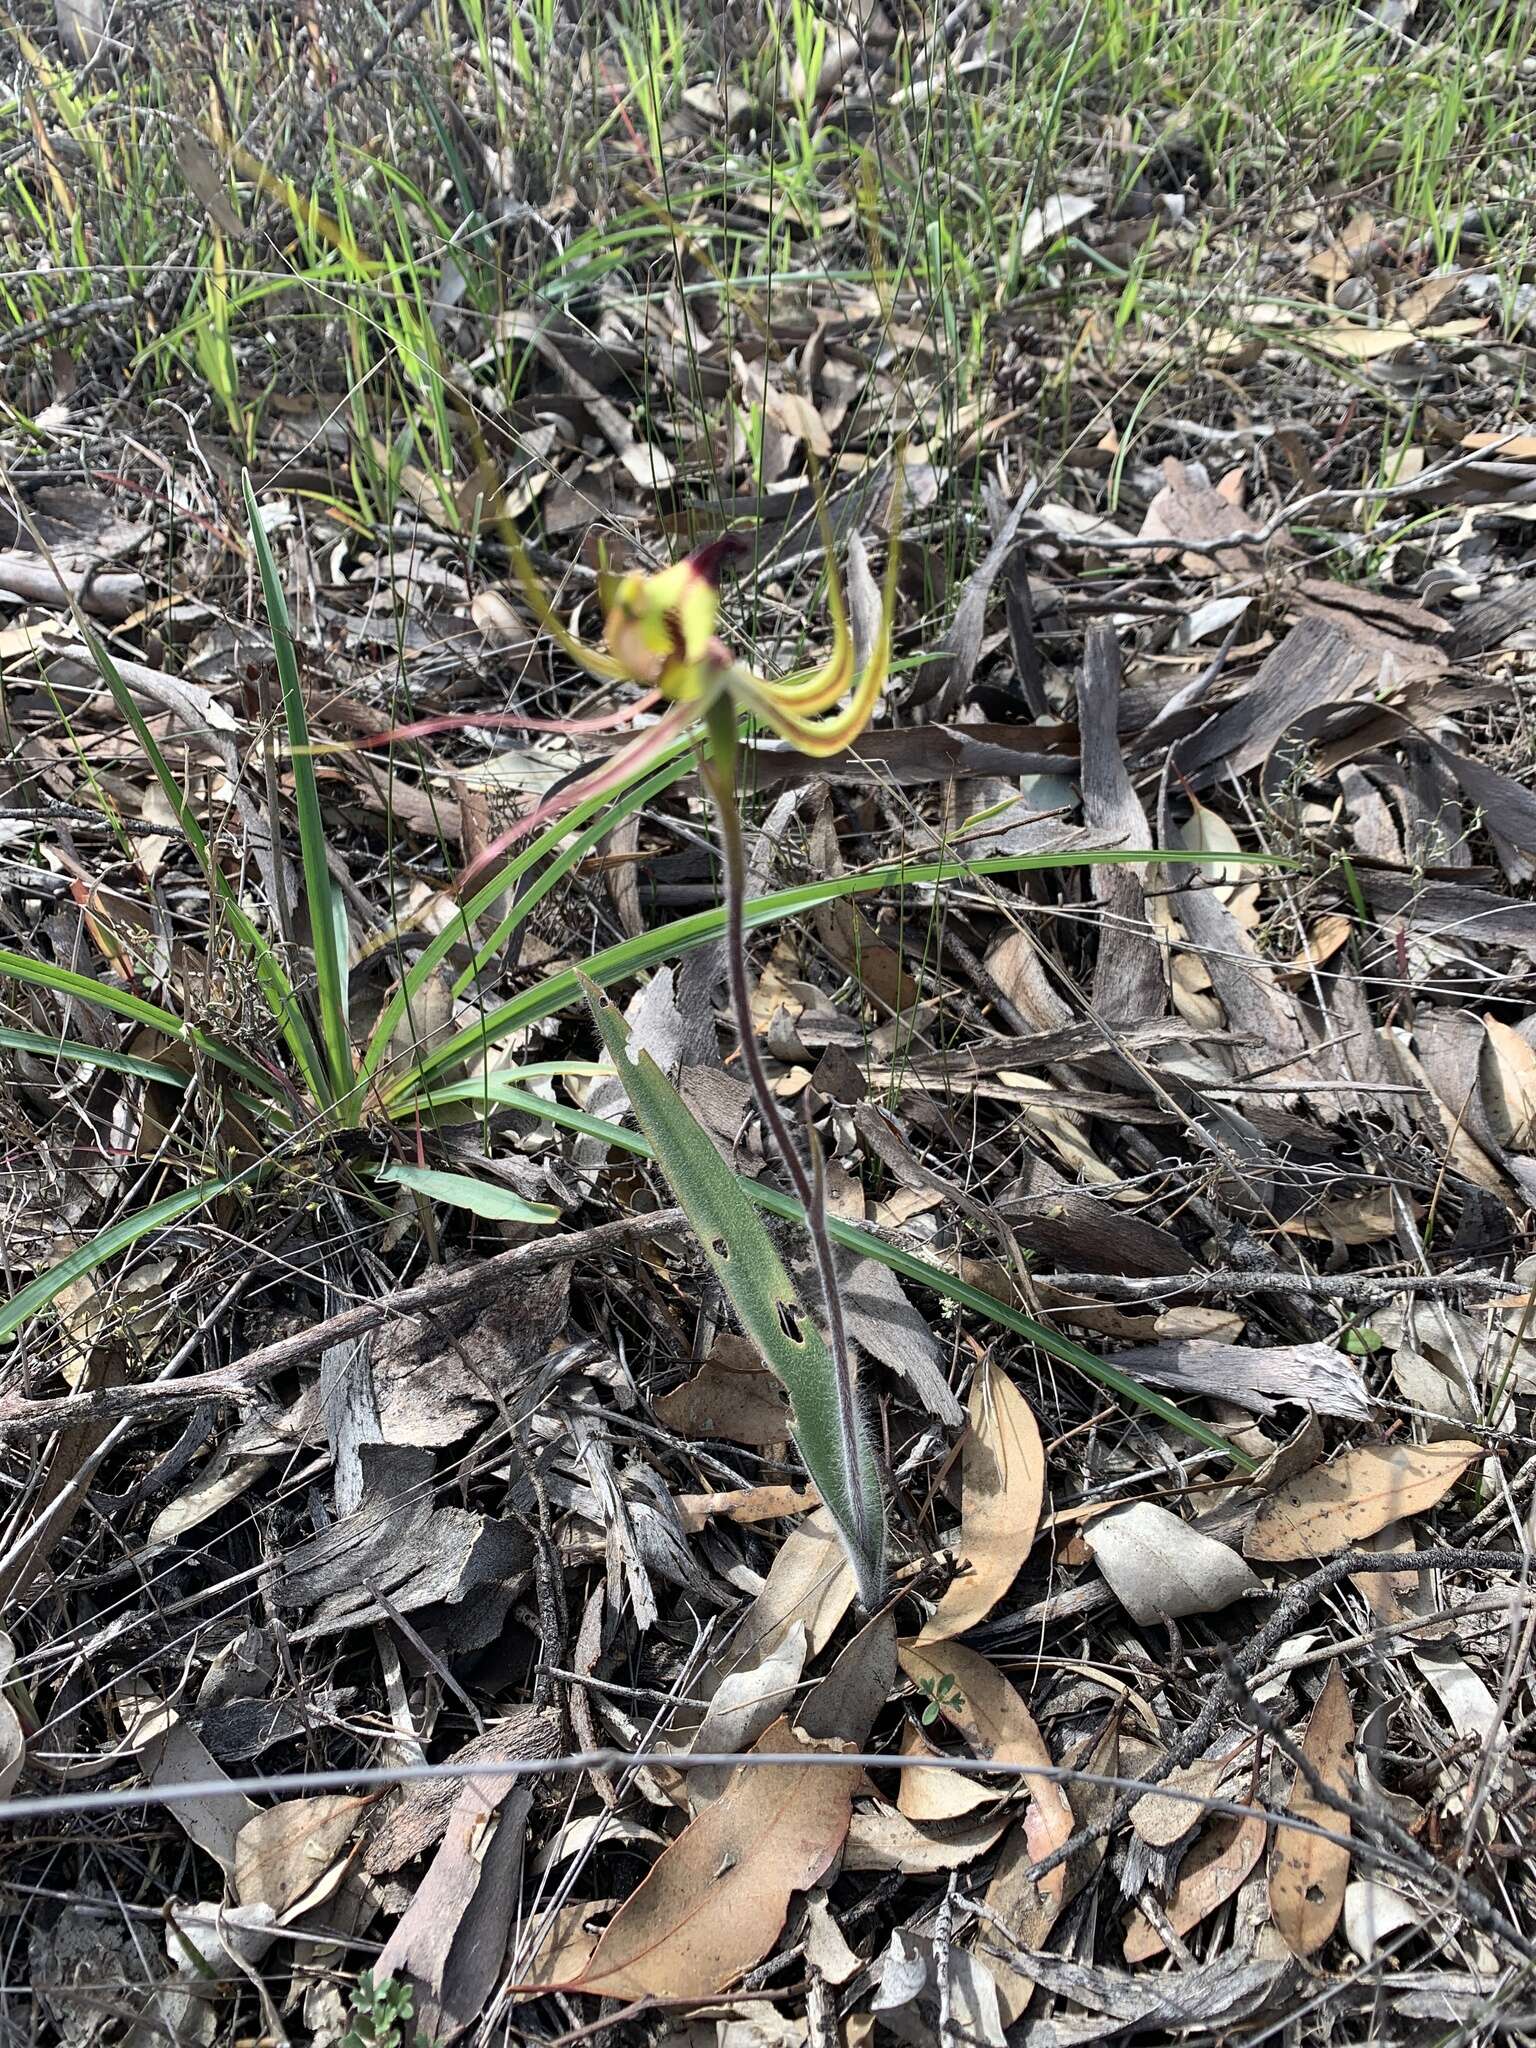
(985, 1708)
(1218, 1863)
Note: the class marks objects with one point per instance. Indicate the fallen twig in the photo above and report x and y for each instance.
(20, 1417)
(1356, 1287)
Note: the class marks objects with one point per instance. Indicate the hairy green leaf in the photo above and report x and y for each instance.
(738, 1247)
(503, 1089)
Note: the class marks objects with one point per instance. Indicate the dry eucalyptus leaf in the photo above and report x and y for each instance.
(565, 1945)
(286, 1850)
(910, 2002)
(1002, 1491)
(986, 1709)
(1161, 1820)
(880, 1838)
(825, 1948)
(1509, 1086)
(732, 1395)
(169, 1753)
(1373, 1913)
(809, 1581)
(13, 1741)
(1352, 1496)
(936, 1794)
(1160, 1569)
(1213, 1870)
(713, 1902)
(742, 1706)
(1308, 1873)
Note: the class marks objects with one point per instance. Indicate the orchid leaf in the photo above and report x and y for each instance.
(739, 1249)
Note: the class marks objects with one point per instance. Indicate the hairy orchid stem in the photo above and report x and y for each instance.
(809, 1185)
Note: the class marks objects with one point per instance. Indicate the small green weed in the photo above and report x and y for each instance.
(379, 2014)
(940, 1695)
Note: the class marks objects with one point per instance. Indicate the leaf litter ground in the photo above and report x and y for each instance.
(393, 1581)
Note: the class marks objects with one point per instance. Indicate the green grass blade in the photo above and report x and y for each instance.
(650, 949)
(503, 1090)
(463, 1191)
(319, 891)
(276, 989)
(117, 1237)
(75, 1049)
(124, 1003)
(737, 1245)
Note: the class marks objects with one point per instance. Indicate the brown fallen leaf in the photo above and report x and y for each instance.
(287, 1850)
(1348, 343)
(986, 1709)
(880, 1838)
(1160, 1569)
(1308, 1873)
(1509, 1086)
(808, 1581)
(1161, 1820)
(1189, 507)
(732, 1395)
(1513, 447)
(1212, 1871)
(1002, 1489)
(1351, 1497)
(745, 1504)
(714, 1901)
(936, 1795)
(565, 1946)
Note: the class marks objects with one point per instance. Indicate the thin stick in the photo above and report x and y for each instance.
(20, 1417)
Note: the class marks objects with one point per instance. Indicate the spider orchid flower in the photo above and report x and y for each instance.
(659, 632)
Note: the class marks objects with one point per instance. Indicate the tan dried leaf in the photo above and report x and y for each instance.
(13, 1741)
(1509, 1086)
(880, 1838)
(1308, 1873)
(1161, 1569)
(1212, 1871)
(808, 1581)
(1161, 1820)
(987, 1710)
(714, 1902)
(732, 1395)
(566, 1945)
(936, 1795)
(1334, 1505)
(1002, 1485)
(287, 1850)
